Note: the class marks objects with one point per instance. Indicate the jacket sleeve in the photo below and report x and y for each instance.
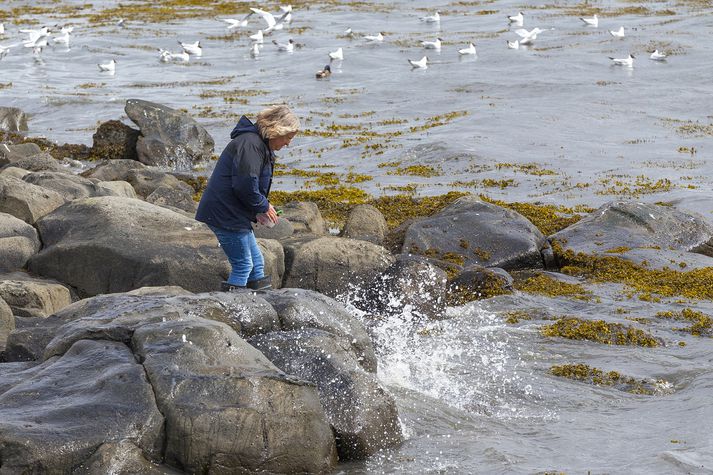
(245, 179)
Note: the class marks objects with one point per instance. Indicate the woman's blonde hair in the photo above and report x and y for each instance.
(277, 121)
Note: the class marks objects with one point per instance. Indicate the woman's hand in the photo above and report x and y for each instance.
(272, 214)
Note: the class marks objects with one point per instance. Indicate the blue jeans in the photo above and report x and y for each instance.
(243, 254)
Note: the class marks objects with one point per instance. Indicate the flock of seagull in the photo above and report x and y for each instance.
(37, 39)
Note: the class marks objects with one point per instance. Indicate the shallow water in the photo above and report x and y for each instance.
(475, 394)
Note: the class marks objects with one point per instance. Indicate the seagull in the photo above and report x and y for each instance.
(323, 73)
(379, 37)
(435, 18)
(63, 39)
(421, 63)
(66, 29)
(594, 21)
(257, 37)
(121, 23)
(348, 32)
(289, 46)
(656, 56)
(519, 18)
(108, 67)
(36, 33)
(233, 23)
(629, 62)
(469, 50)
(2, 28)
(166, 56)
(432, 44)
(338, 55)
(528, 36)
(255, 50)
(3, 51)
(269, 18)
(617, 33)
(192, 48)
(36, 41)
(513, 44)
(287, 9)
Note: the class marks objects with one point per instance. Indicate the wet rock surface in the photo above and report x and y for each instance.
(472, 231)
(115, 140)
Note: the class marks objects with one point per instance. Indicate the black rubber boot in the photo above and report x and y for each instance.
(260, 284)
(226, 287)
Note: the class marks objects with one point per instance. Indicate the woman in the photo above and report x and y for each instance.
(238, 189)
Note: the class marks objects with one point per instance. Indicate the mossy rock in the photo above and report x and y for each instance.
(595, 376)
(600, 331)
(477, 283)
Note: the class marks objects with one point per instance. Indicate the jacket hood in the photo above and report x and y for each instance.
(243, 126)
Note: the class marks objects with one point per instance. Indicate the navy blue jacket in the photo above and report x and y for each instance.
(238, 188)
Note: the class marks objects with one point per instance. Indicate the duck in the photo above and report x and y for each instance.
(323, 73)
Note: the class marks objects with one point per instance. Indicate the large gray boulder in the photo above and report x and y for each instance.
(475, 232)
(112, 244)
(33, 297)
(146, 181)
(298, 309)
(366, 222)
(9, 152)
(7, 323)
(332, 265)
(67, 408)
(26, 201)
(227, 408)
(274, 256)
(169, 138)
(117, 188)
(115, 140)
(121, 458)
(305, 217)
(70, 186)
(12, 119)
(662, 236)
(113, 170)
(362, 413)
(281, 230)
(411, 284)
(42, 161)
(18, 242)
(180, 198)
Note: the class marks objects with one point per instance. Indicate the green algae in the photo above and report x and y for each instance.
(595, 376)
(701, 324)
(417, 170)
(545, 285)
(692, 284)
(599, 331)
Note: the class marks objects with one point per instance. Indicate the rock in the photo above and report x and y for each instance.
(18, 242)
(362, 413)
(26, 201)
(662, 236)
(227, 408)
(169, 138)
(168, 196)
(332, 265)
(12, 119)
(58, 417)
(117, 316)
(115, 140)
(366, 222)
(412, 285)
(70, 186)
(14, 172)
(28, 342)
(282, 230)
(477, 282)
(32, 297)
(304, 217)
(113, 170)
(475, 232)
(274, 256)
(9, 152)
(146, 181)
(117, 188)
(112, 244)
(37, 163)
(7, 323)
(121, 458)
(298, 309)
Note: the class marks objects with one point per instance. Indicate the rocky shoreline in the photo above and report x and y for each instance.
(119, 355)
